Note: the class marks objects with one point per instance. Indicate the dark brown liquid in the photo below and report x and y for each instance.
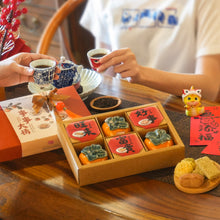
(99, 55)
(42, 66)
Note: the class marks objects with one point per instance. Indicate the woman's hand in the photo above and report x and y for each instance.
(123, 62)
(15, 69)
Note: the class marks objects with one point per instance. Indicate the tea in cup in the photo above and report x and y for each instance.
(95, 55)
(44, 71)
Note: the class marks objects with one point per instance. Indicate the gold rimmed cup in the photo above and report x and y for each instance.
(105, 103)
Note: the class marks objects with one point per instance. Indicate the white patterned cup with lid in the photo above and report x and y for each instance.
(69, 74)
(44, 71)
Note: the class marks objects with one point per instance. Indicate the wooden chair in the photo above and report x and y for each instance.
(2, 93)
(75, 39)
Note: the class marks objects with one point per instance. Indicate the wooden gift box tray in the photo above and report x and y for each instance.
(120, 166)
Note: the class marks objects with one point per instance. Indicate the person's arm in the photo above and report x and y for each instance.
(206, 77)
(15, 69)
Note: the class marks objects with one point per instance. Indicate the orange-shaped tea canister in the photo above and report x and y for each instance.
(92, 154)
(157, 139)
(115, 126)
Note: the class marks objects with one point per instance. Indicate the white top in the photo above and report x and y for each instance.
(163, 34)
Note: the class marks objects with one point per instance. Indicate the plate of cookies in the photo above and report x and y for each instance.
(197, 176)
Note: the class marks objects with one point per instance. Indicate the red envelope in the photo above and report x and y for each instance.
(205, 130)
(213, 148)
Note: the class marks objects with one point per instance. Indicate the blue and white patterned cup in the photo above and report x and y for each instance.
(44, 70)
(68, 75)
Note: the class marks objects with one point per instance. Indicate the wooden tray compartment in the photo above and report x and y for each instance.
(101, 118)
(79, 146)
(116, 167)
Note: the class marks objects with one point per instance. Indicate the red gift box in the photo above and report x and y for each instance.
(23, 133)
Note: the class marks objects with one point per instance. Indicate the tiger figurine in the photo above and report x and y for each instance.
(192, 101)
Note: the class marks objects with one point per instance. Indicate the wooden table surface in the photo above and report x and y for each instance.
(43, 187)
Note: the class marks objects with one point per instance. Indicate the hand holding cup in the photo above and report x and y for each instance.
(44, 71)
(95, 55)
